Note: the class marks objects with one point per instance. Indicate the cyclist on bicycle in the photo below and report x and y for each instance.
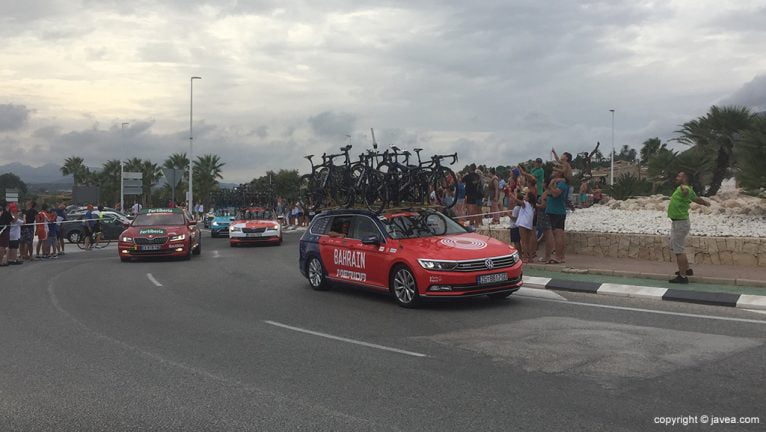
(99, 222)
(88, 227)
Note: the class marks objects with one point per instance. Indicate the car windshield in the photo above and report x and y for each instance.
(143, 220)
(422, 224)
(225, 212)
(256, 215)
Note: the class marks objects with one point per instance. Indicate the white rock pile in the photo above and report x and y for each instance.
(730, 214)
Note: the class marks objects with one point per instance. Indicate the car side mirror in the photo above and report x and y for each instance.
(371, 240)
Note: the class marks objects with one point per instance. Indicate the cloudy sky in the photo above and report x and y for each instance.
(497, 81)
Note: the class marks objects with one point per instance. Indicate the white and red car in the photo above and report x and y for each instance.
(255, 225)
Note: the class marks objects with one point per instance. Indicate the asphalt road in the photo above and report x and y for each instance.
(236, 340)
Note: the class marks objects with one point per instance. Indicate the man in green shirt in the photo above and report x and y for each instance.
(678, 212)
(539, 174)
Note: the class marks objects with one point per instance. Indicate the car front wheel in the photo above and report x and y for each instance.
(404, 287)
(74, 236)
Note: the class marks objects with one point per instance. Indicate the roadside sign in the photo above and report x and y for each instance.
(173, 176)
(12, 195)
(132, 183)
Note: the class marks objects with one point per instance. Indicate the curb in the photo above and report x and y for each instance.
(746, 301)
(657, 276)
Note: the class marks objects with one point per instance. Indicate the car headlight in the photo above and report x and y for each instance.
(215, 223)
(515, 257)
(235, 229)
(178, 237)
(276, 227)
(127, 239)
(436, 265)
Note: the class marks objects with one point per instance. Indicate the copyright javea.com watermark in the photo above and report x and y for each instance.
(710, 420)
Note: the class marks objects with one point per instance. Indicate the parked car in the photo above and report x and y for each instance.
(112, 225)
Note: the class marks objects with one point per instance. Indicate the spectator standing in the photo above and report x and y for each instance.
(678, 212)
(556, 209)
(565, 161)
(494, 196)
(474, 194)
(53, 236)
(41, 230)
(544, 229)
(15, 234)
(460, 196)
(525, 221)
(539, 174)
(61, 220)
(5, 232)
(515, 233)
(28, 231)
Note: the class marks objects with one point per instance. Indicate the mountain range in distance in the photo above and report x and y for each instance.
(48, 173)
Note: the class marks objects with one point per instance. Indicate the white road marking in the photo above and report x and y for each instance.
(153, 280)
(681, 314)
(536, 281)
(631, 291)
(751, 301)
(342, 339)
(538, 293)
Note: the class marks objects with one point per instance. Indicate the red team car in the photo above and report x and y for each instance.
(255, 225)
(414, 255)
(160, 232)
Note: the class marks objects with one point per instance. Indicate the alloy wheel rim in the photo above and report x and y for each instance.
(315, 273)
(404, 286)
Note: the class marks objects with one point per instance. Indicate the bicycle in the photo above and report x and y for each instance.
(98, 241)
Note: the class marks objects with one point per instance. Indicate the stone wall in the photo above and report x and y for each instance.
(741, 251)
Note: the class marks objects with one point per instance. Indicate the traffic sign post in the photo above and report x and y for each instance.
(132, 183)
(12, 195)
(173, 177)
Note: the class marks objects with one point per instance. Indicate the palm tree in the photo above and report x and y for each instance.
(650, 148)
(207, 172)
(74, 166)
(109, 180)
(152, 173)
(717, 133)
(178, 161)
(751, 152)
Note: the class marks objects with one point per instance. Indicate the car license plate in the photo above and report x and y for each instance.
(253, 235)
(150, 247)
(492, 278)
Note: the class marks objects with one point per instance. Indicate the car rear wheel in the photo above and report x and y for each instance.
(404, 287)
(499, 296)
(316, 274)
(74, 236)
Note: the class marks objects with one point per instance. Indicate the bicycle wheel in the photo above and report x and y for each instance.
(100, 242)
(444, 180)
(342, 188)
(374, 191)
(81, 241)
(391, 177)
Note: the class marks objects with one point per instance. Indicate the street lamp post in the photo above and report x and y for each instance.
(612, 173)
(190, 201)
(122, 169)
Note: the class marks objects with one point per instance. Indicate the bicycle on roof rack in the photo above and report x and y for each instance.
(378, 180)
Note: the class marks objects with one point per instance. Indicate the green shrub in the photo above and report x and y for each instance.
(627, 185)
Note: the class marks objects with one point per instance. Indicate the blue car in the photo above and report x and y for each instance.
(219, 226)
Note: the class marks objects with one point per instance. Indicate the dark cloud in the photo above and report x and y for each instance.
(333, 124)
(751, 95)
(13, 117)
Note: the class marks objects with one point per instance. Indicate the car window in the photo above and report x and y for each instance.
(340, 226)
(364, 227)
(319, 226)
